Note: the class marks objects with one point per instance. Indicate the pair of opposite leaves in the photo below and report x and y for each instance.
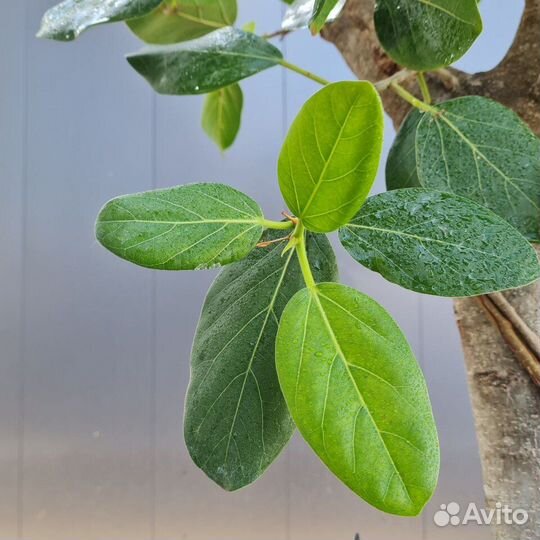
(348, 376)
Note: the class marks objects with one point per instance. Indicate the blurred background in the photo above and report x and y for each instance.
(95, 352)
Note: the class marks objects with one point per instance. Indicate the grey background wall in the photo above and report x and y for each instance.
(95, 353)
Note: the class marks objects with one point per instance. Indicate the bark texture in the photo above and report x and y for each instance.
(506, 401)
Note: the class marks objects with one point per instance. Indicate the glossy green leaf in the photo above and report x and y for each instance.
(222, 114)
(206, 64)
(181, 20)
(401, 163)
(321, 13)
(331, 154)
(425, 35)
(188, 227)
(479, 149)
(236, 420)
(438, 243)
(67, 20)
(358, 397)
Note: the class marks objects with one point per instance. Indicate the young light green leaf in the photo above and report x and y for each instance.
(206, 64)
(401, 163)
(322, 10)
(425, 35)
(479, 149)
(300, 13)
(358, 397)
(438, 243)
(330, 156)
(236, 420)
(189, 227)
(174, 21)
(222, 114)
(67, 20)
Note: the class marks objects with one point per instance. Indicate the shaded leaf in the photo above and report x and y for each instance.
(479, 149)
(181, 20)
(331, 154)
(189, 227)
(425, 35)
(439, 243)
(401, 163)
(222, 114)
(206, 64)
(67, 20)
(358, 397)
(236, 420)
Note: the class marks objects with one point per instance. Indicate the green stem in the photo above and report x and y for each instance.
(280, 225)
(303, 72)
(424, 87)
(303, 260)
(408, 97)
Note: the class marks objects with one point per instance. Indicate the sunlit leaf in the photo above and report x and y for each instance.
(187, 227)
(358, 397)
(236, 420)
(331, 154)
(322, 11)
(438, 243)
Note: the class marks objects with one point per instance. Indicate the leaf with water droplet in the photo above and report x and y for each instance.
(362, 404)
(438, 243)
(206, 64)
(423, 35)
(174, 21)
(331, 154)
(67, 20)
(190, 227)
(236, 420)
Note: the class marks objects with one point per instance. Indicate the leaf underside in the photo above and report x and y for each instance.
(479, 149)
(236, 420)
(67, 20)
(205, 64)
(358, 397)
(174, 21)
(331, 154)
(188, 227)
(427, 34)
(438, 243)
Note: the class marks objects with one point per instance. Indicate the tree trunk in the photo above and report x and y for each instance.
(506, 401)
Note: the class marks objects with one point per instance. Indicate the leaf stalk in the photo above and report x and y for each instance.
(303, 72)
(299, 241)
(424, 88)
(409, 98)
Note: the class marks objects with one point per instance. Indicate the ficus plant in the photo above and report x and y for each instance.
(281, 344)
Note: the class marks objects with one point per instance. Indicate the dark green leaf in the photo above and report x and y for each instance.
(181, 20)
(222, 114)
(189, 227)
(236, 420)
(66, 21)
(358, 397)
(331, 154)
(425, 35)
(401, 163)
(479, 149)
(206, 64)
(439, 243)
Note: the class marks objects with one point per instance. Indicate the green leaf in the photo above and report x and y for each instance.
(330, 157)
(222, 114)
(206, 64)
(66, 21)
(181, 20)
(439, 243)
(401, 163)
(236, 420)
(321, 13)
(300, 14)
(479, 149)
(358, 397)
(189, 227)
(425, 35)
